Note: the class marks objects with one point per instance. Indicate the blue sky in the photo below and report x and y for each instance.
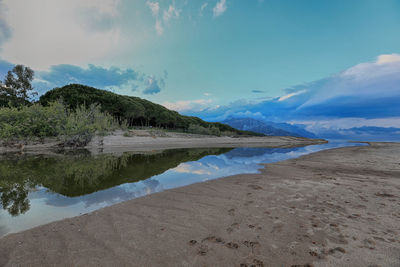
(213, 55)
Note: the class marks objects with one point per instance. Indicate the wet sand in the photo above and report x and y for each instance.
(338, 207)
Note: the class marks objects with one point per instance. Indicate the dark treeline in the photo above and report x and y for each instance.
(131, 110)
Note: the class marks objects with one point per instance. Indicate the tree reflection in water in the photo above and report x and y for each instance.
(80, 174)
(14, 199)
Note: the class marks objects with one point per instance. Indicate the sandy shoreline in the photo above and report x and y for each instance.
(338, 207)
(143, 141)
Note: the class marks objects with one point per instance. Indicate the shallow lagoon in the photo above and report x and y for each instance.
(38, 189)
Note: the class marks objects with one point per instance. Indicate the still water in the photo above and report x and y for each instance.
(38, 189)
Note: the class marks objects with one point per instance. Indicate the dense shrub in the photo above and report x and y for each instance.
(31, 122)
(36, 122)
(82, 123)
(197, 129)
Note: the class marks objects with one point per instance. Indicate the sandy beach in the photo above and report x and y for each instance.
(337, 207)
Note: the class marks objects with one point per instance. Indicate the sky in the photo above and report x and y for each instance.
(308, 61)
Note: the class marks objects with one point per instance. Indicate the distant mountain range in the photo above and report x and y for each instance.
(268, 128)
(365, 133)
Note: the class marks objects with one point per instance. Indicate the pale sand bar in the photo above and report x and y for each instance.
(144, 141)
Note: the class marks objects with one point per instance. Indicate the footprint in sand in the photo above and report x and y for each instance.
(213, 239)
(337, 249)
(192, 242)
(384, 195)
(256, 263)
(255, 187)
(379, 238)
(234, 226)
(202, 250)
(369, 243)
(253, 245)
(232, 245)
(248, 202)
(336, 252)
(278, 226)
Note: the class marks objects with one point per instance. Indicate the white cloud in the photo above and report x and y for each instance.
(282, 98)
(154, 7)
(194, 168)
(192, 105)
(382, 59)
(47, 32)
(384, 65)
(371, 79)
(219, 8)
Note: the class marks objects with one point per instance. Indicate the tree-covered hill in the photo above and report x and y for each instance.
(134, 110)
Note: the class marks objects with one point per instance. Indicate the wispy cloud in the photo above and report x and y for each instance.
(203, 6)
(172, 12)
(159, 27)
(219, 8)
(154, 7)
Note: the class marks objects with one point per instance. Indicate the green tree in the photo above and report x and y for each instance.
(17, 86)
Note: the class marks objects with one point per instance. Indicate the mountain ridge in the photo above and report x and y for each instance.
(268, 128)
